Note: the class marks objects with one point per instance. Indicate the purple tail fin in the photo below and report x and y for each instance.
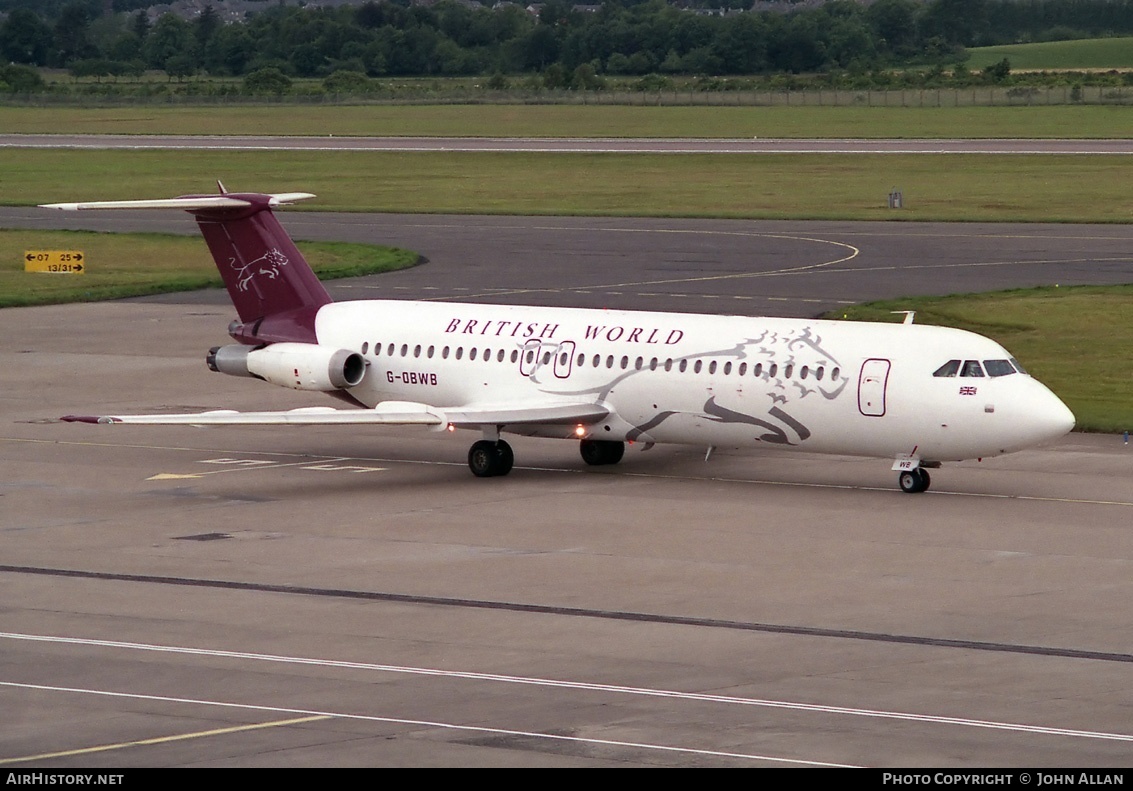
(276, 294)
(272, 286)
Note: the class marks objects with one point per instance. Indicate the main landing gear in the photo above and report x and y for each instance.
(601, 451)
(914, 481)
(487, 458)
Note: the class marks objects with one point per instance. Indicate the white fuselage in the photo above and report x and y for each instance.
(832, 387)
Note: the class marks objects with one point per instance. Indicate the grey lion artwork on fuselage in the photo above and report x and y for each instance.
(777, 355)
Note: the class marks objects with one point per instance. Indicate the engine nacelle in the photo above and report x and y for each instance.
(300, 366)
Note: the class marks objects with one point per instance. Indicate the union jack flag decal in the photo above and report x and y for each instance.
(967, 391)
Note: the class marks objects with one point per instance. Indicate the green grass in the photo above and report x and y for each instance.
(1094, 53)
(1076, 340)
(845, 187)
(122, 265)
(579, 121)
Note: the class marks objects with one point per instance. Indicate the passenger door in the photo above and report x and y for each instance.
(871, 387)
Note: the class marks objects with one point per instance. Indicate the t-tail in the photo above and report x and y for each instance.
(275, 293)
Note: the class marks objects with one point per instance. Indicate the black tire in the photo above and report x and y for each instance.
(505, 458)
(599, 451)
(914, 481)
(483, 459)
(614, 452)
(925, 479)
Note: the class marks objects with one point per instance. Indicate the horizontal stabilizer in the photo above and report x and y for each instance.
(187, 202)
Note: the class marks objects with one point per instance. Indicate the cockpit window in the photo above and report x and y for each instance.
(998, 367)
(971, 368)
(950, 368)
(1018, 367)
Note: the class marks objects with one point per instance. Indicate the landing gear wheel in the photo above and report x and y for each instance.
(487, 458)
(600, 451)
(505, 458)
(914, 481)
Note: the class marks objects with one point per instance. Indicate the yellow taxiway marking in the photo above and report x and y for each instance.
(165, 739)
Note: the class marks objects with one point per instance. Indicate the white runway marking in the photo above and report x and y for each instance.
(312, 713)
(577, 685)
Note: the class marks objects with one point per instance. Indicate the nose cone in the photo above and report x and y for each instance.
(1041, 415)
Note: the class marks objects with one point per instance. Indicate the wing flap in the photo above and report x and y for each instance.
(388, 413)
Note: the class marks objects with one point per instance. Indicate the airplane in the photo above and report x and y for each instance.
(918, 395)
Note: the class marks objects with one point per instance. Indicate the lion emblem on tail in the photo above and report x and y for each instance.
(267, 265)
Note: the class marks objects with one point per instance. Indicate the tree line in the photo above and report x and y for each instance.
(565, 45)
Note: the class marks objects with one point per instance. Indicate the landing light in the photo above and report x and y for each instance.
(450, 427)
(580, 431)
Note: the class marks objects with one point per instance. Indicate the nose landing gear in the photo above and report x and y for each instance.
(914, 481)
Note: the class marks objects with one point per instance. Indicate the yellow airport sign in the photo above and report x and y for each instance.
(69, 262)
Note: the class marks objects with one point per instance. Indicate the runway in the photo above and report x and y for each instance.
(183, 597)
(552, 145)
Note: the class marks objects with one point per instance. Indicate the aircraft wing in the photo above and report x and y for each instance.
(388, 413)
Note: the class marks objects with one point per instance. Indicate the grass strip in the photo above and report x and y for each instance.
(130, 265)
(971, 188)
(519, 120)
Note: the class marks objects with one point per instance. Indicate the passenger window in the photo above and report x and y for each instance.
(444, 353)
(417, 351)
(625, 362)
(727, 368)
(472, 353)
(430, 352)
(998, 368)
(404, 349)
(950, 368)
(971, 368)
(818, 373)
(773, 370)
(597, 360)
(757, 369)
(581, 360)
(712, 367)
(514, 355)
(803, 372)
(742, 369)
(669, 364)
(500, 356)
(365, 346)
(788, 371)
(684, 366)
(697, 366)
(653, 364)
(459, 352)
(834, 375)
